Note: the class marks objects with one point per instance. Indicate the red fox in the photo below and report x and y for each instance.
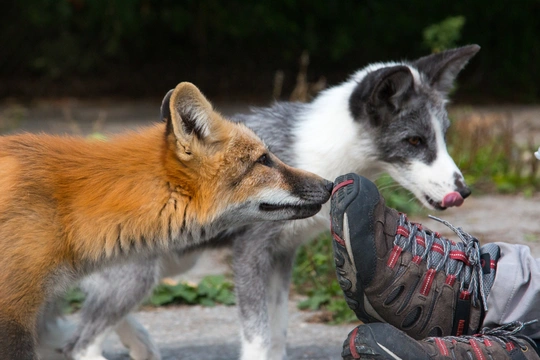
(70, 205)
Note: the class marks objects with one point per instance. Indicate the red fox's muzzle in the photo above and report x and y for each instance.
(306, 191)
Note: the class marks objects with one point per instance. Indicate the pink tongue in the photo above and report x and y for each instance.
(452, 199)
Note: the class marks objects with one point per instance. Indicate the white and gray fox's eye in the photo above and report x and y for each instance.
(414, 140)
(264, 160)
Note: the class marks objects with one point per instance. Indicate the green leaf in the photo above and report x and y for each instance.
(444, 35)
(207, 302)
(158, 299)
(341, 311)
(226, 297)
(184, 292)
(315, 302)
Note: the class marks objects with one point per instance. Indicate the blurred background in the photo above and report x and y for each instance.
(232, 49)
(91, 67)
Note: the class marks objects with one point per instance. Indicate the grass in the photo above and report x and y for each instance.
(491, 156)
(314, 276)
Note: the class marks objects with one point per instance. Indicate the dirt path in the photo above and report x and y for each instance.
(203, 333)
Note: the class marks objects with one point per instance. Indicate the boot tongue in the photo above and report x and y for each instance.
(489, 255)
(452, 199)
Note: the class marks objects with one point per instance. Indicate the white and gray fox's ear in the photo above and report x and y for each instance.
(537, 154)
(442, 68)
(392, 86)
(187, 113)
(384, 88)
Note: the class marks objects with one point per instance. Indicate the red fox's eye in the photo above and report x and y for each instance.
(264, 160)
(414, 140)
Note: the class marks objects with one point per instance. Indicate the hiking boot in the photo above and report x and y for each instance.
(383, 341)
(392, 270)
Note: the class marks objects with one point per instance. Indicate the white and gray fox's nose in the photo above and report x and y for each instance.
(464, 192)
(461, 187)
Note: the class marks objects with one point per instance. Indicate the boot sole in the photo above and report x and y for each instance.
(353, 198)
(373, 342)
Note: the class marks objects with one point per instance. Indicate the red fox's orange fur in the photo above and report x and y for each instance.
(69, 205)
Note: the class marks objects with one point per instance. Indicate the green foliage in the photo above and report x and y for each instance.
(314, 275)
(444, 35)
(212, 290)
(314, 266)
(490, 157)
(341, 313)
(398, 197)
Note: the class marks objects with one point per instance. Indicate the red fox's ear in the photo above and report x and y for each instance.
(187, 113)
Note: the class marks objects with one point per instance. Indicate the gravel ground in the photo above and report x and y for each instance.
(212, 333)
(197, 333)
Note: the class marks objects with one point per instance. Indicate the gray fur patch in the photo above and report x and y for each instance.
(255, 258)
(275, 125)
(136, 278)
(442, 68)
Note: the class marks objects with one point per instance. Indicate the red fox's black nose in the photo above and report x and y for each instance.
(329, 186)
